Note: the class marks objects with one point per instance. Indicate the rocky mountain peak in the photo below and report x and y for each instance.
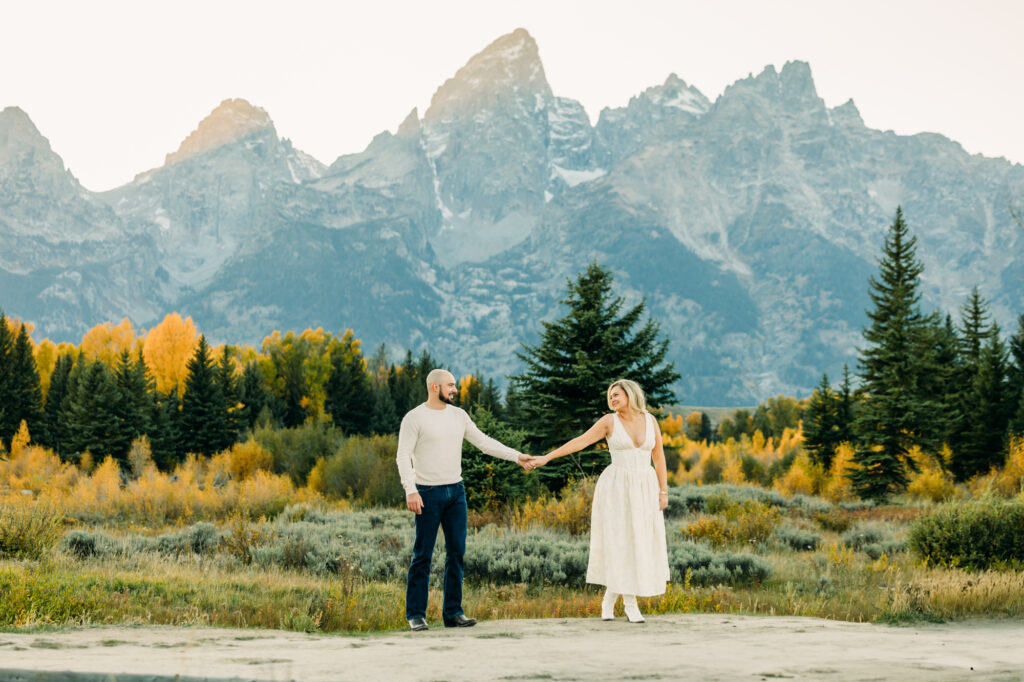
(410, 127)
(847, 114)
(232, 120)
(676, 94)
(507, 69)
(18, 133)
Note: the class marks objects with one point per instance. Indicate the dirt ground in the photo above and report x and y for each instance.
(673, 647)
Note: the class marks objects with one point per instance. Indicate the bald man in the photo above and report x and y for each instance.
(430, 465)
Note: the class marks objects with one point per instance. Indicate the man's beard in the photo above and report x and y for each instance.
(449, 399)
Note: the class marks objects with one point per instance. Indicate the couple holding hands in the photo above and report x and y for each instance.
(628, 552)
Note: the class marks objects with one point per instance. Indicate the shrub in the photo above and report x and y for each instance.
(362, 470)
(976, 535)
(570, 512)
(295, 451)
(832, 520)
(28, 530)
(798, 538)
(536, 556)
(746, 521)
(80, 544)
(694, 562)
(694, 498)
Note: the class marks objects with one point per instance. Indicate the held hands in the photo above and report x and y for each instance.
(534, 462)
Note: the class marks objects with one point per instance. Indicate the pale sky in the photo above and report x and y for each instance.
(116, 85)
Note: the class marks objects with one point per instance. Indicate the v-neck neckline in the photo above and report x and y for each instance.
(629, 437)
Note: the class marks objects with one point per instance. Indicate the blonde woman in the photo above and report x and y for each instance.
(628, 553)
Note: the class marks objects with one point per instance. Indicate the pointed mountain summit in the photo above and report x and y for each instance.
(18, 133)
(507, 69)
(231, 121)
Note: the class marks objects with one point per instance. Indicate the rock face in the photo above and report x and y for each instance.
(750, 225)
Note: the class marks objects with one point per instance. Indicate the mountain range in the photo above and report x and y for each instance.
(749, 224)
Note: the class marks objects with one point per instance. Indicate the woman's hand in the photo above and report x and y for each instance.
(662, 500)
(541, 461)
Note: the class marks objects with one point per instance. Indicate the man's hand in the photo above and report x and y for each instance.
(526, 461)
(414, 502)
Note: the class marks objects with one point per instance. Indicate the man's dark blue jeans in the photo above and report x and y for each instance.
(444, 506)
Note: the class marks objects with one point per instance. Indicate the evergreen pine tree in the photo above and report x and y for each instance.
(254, 395)
(566, 376)
(490, 399)
(203, 410)
(385, 418)
(1015, 380)
(896, 413)
(981, 403)
(230, 390)
(845, 412)
(8, 408)
(88, 411)
(165, 438)
(134, 406)
(407, 390)
(24, 391)
(54, 434)
(984, 443)
(350, 397)
(821, 424)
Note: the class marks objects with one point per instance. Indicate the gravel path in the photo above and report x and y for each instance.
(673, 647)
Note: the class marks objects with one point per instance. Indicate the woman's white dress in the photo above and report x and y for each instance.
(628, 553)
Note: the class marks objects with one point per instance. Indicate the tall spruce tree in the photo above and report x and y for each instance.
(7, 406)
(821, 424)
(562, 388)
(54, 431)
(982, 405)
(203, 409)
(24, 391)
(88, 411)
(134, 406)
(845, 410)
(896, 413)
(254, 395)
(349, 389)
(165, 439)
(231, 392)
(1015, 380)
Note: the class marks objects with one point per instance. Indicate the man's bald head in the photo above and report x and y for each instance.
(439, 377)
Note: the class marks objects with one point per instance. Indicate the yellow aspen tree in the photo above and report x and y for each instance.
(46, 358)
(167, 349)
(104, 342)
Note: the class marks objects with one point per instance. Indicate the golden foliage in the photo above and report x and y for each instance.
(104, 342)
(569, 512)
(804, 477)
(234, 482)
(931, 481)
(46, 359)
(672, 426)
(167, 348)
(20, 440)
(837, 485)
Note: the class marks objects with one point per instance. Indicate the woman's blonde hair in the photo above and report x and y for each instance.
(633, 392)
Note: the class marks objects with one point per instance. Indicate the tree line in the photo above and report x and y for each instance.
(186, 397)
(954, 389)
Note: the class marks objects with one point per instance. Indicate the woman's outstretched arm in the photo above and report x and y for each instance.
(599, 430)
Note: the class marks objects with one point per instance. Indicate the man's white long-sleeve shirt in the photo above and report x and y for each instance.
(430, 446)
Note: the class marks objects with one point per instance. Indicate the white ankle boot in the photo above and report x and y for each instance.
(632, 609)
(608, 605)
